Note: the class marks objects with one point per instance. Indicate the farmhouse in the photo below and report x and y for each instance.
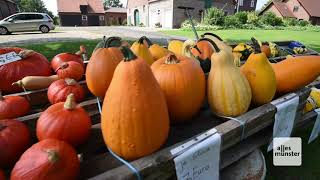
(116, 16)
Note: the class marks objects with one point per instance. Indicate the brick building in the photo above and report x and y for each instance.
(7, 8)
(115, 16)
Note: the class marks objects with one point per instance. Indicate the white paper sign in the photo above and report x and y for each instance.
(316, 128)
(9, 57)
(200, 162)
(284, 118)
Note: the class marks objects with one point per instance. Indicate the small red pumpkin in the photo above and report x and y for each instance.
(71, 70)
(59, 90)
(66, 57)
(2, 177)
(50, 159)
(14, 140)
(64, 121)
(13, 106)
(32, 64)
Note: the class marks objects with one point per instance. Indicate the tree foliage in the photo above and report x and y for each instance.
(112, 3)
(33, 6)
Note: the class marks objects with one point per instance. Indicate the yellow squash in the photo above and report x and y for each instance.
(229, 92)
(260, 75)
(156, 50)
(140, 49)
(175, 46)
(313, 101)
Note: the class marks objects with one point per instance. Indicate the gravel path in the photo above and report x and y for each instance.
(83, 33)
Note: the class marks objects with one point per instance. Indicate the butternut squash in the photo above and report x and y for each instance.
(36, 82)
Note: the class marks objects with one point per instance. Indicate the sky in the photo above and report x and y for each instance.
(52, 4)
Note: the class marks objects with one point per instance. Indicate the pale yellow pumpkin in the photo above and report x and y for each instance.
(229, 92)
(140, 49)
(175, 46)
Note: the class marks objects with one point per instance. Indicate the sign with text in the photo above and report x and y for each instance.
(284, 118)
(287, 152)
(201, 161)
(8, 58)
(316, 128)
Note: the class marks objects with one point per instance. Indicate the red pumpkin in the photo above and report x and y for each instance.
(59, 90)
(32, 64)
(14, 140)
(64, 121)
(9, 104)
(50, 159)
(2, 177)
(71, 70)
(66, 57)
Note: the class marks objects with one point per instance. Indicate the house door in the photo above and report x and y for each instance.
(136, 17)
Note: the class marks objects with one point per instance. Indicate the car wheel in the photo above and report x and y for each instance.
(3, 31)
(44, 29)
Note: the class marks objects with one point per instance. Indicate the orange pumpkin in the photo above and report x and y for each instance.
(2, 177)
(64, 121)
(49, 159)
(101, 66)
(13, 106)
(135, 119)
(183, 83)
(71, 70)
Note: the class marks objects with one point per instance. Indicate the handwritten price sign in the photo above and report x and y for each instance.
(8, 58)
(201, 161)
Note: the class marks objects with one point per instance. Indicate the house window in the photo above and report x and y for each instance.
(84, 18)
(241, 2)
(101, 18)
(144, 8)
(295, 8)
(158, 12)
(252, 3)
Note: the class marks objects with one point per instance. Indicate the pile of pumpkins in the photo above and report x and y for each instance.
(145, 88)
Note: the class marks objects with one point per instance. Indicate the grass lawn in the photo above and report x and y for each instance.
(309, 38)
(310, 168)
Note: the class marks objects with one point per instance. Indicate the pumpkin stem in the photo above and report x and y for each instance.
(112, 42)
(211, 42)
(172, 59)
(70, 103)
(62, 66)
(147, 40)
(53, 156)
(197, 48)
(70, 82)
(128, 54)
(25, 53)
(1, 97)
(2, 127)
(256, 46)
(211, 34)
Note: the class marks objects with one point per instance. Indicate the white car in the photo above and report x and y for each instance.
(26, 22)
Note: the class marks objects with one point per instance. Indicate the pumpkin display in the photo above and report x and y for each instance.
(113, 43)
(13, 106)
(296, 72)
(66, 57)
(260, 75)
(2, 177)
(49, 159)
(176, 47)
(313, 101)
(142, 127)
(183, 83)
(64, 121)
(266, 50)
(218, 41)
(244, 50)
(229, 92)
(156, 50)
(141, 49)
(186, 49)
(36, 82)
(32, 64)
(71, 70)
(14, 140)
(101, 66)
(59, 90)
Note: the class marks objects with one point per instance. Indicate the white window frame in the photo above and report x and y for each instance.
(101, 18)
(84, 18)
(240, 2)
(252, 3)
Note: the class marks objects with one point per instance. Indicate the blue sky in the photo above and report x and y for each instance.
(52, 4)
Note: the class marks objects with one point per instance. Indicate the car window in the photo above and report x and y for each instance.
(20, 17)
(38, 16)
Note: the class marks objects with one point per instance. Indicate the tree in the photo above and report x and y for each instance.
(33, 6)
(112, 3)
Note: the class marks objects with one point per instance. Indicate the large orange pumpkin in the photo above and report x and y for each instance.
(135, 119)
(101, 66)
(2, 177)
(49, 159)
(183, 83)
(64, 121)
(71, 70)
(32, 64)
(13, 106)
(14, 140)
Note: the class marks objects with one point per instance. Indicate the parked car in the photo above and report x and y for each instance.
(26, 22)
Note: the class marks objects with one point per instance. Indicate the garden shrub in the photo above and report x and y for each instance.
(252, 18)
(303, 23)
(242, 17)
(270, 18)
(290, 22)
(213, 16)
(231, 21)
